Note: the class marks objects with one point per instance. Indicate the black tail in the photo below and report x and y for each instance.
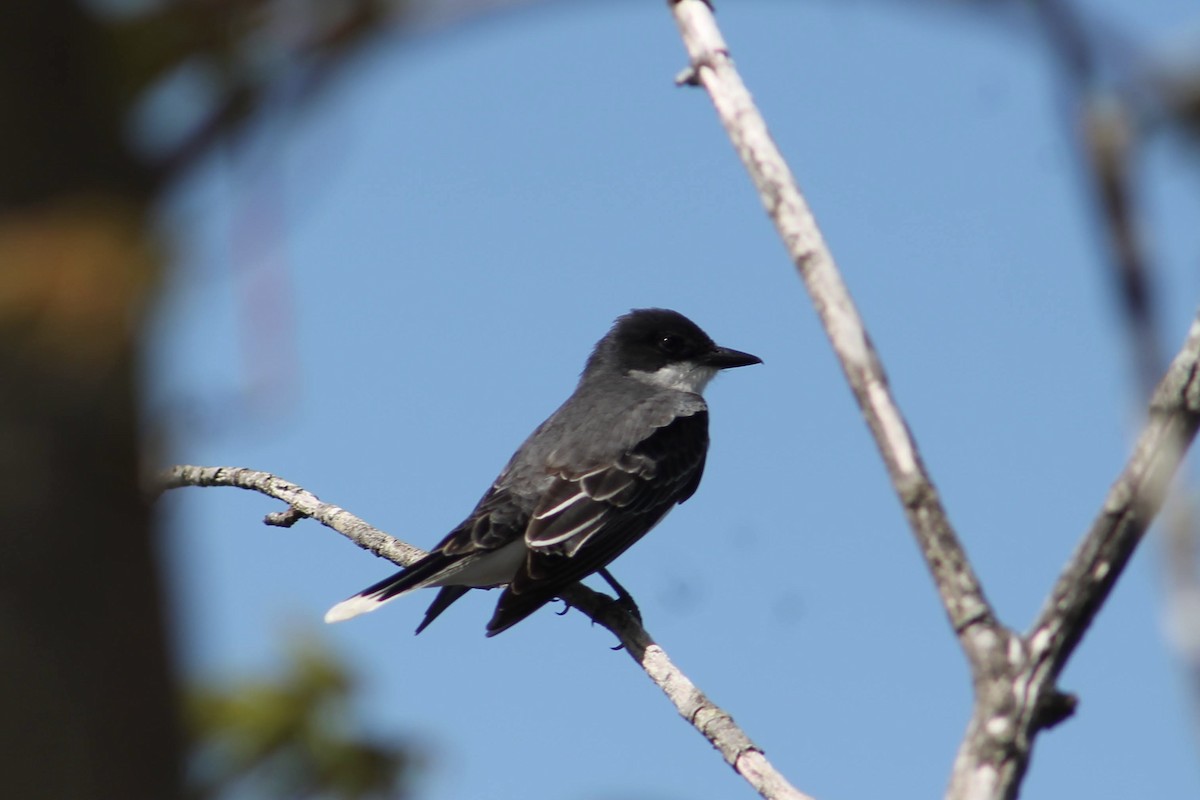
(377, 594)
(445, 598)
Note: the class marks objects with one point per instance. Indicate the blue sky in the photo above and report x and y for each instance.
(378, 295)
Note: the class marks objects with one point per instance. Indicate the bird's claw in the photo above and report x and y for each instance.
(627, 605)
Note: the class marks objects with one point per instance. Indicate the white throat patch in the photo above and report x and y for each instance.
(686, 376)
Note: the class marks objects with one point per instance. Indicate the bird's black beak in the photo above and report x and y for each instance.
(724, 358)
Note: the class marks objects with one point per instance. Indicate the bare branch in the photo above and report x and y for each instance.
(1014, 676)
(713, 722)
(970, 614)
(1108, 133)
(339, 519)
(1131, 505)
(1021, 698)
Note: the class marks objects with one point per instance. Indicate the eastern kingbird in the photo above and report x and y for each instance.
(594, 478)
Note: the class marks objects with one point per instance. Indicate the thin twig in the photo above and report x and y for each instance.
(303, 502)
(713, 723)
(1132, 503)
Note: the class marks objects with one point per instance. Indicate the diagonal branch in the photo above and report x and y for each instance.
(712, 722)
(1021, 698)
(970, 614)
(1132, 502)
(1108, 135)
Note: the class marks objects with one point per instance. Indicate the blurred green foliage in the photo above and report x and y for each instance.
(291, 736)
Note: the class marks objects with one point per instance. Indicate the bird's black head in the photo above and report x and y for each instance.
(664, 347)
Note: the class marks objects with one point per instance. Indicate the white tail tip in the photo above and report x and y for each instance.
(352, 607)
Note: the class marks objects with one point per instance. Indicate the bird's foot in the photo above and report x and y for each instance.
(624, 599)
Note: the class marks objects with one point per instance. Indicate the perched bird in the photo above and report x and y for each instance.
(595, 477)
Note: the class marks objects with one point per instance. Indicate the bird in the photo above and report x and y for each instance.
(625, 448)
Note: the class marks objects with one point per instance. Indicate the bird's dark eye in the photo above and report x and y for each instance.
(671, 344)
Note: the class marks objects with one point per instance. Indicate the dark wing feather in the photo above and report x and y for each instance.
(590, 515)
(499, 518)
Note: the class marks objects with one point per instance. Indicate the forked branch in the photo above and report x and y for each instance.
(1014, 677)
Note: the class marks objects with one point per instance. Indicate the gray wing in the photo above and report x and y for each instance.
(578, 499)
(594, 511)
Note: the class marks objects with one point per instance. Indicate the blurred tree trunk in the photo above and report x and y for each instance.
(87, 696)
